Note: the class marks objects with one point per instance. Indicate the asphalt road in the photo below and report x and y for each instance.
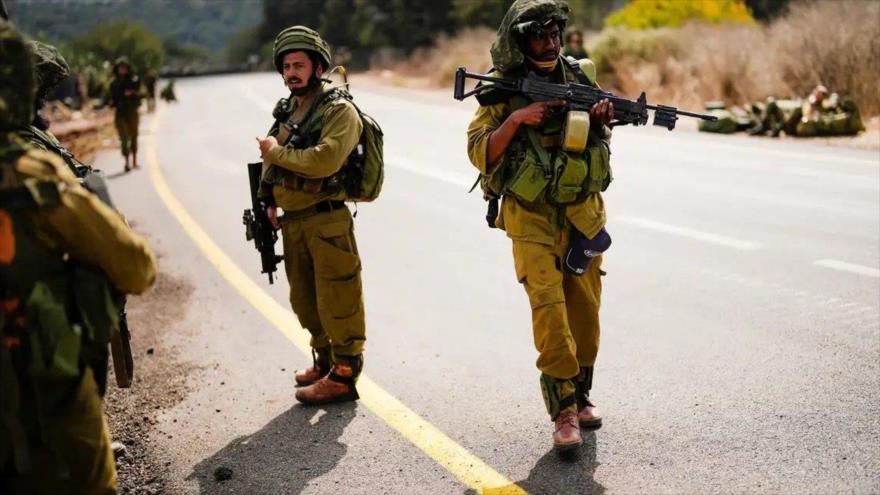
(741, 316)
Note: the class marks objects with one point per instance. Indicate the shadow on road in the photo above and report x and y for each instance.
(553, 474)
(297, 446)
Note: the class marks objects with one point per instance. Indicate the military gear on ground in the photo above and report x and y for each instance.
(582, 250)
(167, 92)
(297, 38)
(841, 119)
(727, 120)
(50, 68)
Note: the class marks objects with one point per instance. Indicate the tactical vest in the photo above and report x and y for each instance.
(56, 316)
(360, 178)
(536, 169)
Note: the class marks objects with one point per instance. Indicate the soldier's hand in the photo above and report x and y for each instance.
(601, 114)
(536, 113)
(272, 213)
(266, 144)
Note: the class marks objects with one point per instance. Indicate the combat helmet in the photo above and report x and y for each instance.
(16, 79)
(522, 15)
(300, 38)
(50, 68)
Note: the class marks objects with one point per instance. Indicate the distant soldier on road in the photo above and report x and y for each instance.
(59, 248)
(314, 133)
(125, 96)
(150, 82)
(551, 206)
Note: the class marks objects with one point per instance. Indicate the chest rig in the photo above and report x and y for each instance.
(537, 166)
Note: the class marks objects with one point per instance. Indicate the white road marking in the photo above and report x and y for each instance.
(849, 267)
(690, 233)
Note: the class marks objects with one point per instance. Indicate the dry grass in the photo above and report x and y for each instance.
(469, 48)
(836, 43)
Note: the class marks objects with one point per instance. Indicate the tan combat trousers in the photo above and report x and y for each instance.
(324, 271)
(127, 127)
(565, 307)
(76, 458)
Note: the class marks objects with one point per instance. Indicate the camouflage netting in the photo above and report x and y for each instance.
(506, 54)
(16, 79)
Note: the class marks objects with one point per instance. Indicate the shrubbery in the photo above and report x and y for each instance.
(646, 14)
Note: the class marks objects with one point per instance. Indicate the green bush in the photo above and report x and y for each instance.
(646, 14)
(133, 40)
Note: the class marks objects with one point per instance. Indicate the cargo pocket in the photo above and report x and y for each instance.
(600, 168)
(530, 180)
(571, 180)
(337, 270)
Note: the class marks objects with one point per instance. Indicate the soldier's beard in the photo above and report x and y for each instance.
(312, 84)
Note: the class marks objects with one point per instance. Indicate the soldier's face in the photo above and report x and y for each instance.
(545, 47)
(297, 68)
(122, 70)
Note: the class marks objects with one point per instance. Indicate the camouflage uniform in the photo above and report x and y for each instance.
(53, 237)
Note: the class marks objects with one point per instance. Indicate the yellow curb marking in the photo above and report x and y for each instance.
(472, 471)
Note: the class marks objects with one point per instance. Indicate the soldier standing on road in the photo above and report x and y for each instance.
(150, 80)
(50, 69)
(551, 202)
(314, 134)
(59, 248)
(125, 97)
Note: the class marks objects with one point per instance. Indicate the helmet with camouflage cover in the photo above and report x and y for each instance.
(50, 68)
(297, 38)
(506, 52)
(16, 79)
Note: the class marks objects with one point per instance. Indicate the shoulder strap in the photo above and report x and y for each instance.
(575, 67)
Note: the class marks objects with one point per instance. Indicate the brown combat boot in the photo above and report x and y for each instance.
(567, 435)
(338, 386)
(319, 369)
(588, 414)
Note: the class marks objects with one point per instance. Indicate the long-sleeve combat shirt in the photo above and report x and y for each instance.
(341, 128)
(534, 222)
(87, 230)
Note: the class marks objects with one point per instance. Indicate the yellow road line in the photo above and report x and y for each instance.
(472, 471)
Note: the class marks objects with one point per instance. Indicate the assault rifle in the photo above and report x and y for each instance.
(120, 342)
(578, 96)
(257, 226)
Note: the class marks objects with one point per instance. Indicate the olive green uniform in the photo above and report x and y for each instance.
(66, 435)
(547, 192)
(320, 253)
(61, 250)
(126, 117)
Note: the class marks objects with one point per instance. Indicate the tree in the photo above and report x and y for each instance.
(122, 38)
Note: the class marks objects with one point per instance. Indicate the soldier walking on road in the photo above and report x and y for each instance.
(314, 133)
(150, 83)
(62, 251)
(551, 206)
(125, 97)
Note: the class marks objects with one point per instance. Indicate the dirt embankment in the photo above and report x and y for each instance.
(159, 383)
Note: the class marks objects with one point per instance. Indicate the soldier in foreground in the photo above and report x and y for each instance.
(510, 139)
(61, 252)
(125, 98)
(50, 69)
(313, 136)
